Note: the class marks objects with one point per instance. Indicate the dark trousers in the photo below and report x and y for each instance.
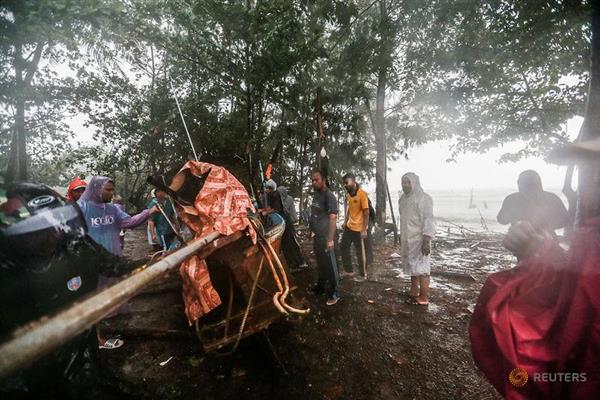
(326, 266)
(167, 240)
(290, 246)
(350, 237)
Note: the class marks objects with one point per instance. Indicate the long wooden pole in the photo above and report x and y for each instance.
(45, 335)
(364, 257)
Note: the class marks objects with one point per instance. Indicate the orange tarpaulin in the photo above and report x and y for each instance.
(220, 206)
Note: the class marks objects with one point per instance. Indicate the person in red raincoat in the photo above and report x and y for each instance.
(535, 331)
(75, 189)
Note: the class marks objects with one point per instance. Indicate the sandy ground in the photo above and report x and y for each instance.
(371, 345)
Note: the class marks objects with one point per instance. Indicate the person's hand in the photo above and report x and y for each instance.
(154, 210)
(426, 246)
(522, 239)
(330, 245)
(363, 234)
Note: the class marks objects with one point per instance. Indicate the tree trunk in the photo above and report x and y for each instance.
(589, 175)
(301, 178)
(17, 166)
(319, 128)
(380, 145)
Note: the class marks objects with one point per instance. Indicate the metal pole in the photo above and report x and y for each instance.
(262, 183)
(183, 120)
(45, 335)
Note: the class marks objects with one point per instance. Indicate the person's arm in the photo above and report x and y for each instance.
(364, 203)
(524, 240)
(363, 233)
(428, 226)
(271, 206)
(399, 206)
(331, 232)
(347, 213)
(332, 211)
(505, 214)
(129, 222)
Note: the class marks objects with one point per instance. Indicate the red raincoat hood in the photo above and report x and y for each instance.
(75, 184)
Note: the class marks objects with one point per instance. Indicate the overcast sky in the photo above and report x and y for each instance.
(478, 171)
(469, 171)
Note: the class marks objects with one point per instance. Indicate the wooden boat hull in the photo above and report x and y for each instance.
(233, 270)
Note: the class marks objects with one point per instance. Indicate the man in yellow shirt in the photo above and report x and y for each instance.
(356, 228)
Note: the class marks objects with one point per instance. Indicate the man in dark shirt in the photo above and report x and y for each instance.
(323, 219)
(544, 210)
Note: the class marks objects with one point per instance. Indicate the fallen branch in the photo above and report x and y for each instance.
(454, 275)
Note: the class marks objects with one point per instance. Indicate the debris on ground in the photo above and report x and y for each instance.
(371, 345)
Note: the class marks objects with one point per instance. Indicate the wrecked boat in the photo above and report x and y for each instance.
(234, 283)
(242, 286)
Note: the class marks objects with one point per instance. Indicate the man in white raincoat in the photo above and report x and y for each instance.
(417, 227)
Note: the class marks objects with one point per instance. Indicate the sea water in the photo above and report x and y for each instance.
(454, 207)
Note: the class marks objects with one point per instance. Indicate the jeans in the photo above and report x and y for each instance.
(167, 241)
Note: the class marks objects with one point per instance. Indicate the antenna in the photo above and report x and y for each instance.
(183, 120)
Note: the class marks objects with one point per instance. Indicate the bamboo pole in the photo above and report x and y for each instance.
(48, 333)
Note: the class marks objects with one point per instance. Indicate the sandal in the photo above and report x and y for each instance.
(112, 343)
(413, 302)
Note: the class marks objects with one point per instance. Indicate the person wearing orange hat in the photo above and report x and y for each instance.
(75, 189)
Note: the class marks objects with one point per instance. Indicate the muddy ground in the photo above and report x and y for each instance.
(371, 345)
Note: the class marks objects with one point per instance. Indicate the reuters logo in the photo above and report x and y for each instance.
(518, 377)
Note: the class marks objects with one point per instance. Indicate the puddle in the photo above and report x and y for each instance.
(433, 308)
(446, 285)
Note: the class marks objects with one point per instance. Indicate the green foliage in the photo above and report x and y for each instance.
(247, 75)
(515, 71)
(36, 39)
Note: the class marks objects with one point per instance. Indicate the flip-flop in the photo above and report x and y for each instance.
(413, 302)
(112, 343)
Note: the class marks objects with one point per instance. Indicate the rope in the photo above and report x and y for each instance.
(277, 282)
(247, 312)
(287, 285)
(279, 299)
(229, 307)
